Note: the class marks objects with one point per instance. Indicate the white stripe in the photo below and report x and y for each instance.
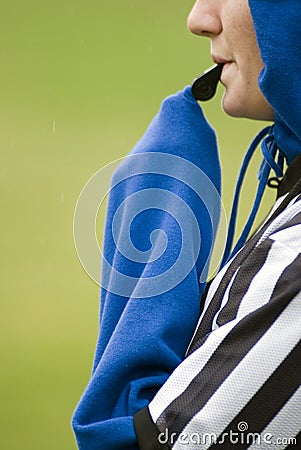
(248, 376)
(187, 371)
(285, 425)
(263, 283)
(276, 204)
(291, 237)
(288, 214)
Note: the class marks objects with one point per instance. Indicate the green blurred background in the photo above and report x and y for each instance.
(80, 81)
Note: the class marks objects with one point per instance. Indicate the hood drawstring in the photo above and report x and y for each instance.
(269, 150)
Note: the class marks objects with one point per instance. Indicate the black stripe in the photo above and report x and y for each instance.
(266, 404)
(242, 281)
(291, 176)
(231, 351)
(205, 326)
(204, 295)
(296, 190)
(147, 433)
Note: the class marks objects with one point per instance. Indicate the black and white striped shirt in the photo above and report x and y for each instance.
(239, 385)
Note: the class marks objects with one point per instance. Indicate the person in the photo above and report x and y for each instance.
(167, 373)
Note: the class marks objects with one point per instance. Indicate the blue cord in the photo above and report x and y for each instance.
(269, 150)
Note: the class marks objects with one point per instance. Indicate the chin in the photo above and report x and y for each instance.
(237, 106)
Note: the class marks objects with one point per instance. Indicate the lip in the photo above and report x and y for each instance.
(220, 60)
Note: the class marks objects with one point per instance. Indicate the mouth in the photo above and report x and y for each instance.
(220, 60)
(226, 65)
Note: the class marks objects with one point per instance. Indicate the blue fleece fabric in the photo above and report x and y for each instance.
(147, 319)
(278, 32)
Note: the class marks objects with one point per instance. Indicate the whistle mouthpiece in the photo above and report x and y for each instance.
(204, 87)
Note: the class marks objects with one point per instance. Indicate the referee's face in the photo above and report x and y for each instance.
(229, 25)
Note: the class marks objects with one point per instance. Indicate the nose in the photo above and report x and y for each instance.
(204, 18)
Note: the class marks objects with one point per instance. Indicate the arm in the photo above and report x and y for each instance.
(148, 316)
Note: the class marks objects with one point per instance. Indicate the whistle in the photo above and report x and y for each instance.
(204, 87)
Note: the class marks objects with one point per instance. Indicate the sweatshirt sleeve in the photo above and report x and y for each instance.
(162, 217)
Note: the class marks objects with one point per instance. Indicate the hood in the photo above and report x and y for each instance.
(278, 30)
(277, 26)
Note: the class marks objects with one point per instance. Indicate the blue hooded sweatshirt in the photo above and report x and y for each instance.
(162, 216)
(145, 327)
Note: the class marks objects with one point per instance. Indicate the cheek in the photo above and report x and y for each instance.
(248, 72)
(249, 64)
(247, 87)
(242, 39)
(242, 97)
